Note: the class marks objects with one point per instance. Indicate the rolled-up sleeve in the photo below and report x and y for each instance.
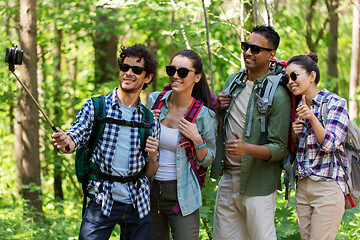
(209, 136)
(336, 126)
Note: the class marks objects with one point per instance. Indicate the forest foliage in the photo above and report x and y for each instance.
(82, 29)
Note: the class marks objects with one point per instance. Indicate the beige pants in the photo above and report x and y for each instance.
(242, 217)
(320, 207)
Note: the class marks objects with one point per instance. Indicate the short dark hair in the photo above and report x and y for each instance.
(269, 33)
(307, 62)
(140, 51)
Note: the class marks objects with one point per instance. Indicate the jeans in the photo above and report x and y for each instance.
(97, 226)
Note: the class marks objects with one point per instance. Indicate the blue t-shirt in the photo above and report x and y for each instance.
(120, 163)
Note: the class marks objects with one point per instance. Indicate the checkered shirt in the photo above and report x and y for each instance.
(317, 165)
(105, 149)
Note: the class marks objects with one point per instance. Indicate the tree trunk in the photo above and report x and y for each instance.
(29, 118)
(332, 70)
(72, 75)
(309, 31)
(105, 44)
(354, 72)
(57, 113)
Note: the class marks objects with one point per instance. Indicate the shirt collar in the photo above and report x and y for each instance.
(115, 102)
(319, 97)
(166, 97)
(261, 79)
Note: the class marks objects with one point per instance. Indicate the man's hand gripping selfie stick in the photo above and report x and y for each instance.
(14, 56)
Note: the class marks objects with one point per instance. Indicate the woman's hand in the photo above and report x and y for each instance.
(297, 126)
(189, 130)
(156, 113)
(304, 111)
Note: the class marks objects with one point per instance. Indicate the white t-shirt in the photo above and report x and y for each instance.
(236, 122)
(167, 149)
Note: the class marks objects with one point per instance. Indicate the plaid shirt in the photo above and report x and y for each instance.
(317, 165)
(104, 152)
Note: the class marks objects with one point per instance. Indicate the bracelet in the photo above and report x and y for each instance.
(201, 146)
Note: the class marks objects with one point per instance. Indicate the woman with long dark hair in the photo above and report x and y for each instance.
(176, 192)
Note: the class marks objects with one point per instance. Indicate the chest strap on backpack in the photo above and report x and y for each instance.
(120, 179)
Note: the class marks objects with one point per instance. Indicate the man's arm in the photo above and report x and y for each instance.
(61, 140)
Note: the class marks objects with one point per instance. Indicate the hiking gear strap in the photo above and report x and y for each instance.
(120, 179)
(96, 132)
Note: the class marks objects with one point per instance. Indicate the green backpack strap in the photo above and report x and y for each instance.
(98, 128)
(146, 131)
(96, 132)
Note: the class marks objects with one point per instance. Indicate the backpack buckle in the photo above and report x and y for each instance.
(184, 145)
(262, 104)
(147, 124)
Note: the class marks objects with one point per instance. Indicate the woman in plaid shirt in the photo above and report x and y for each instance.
(320, 191)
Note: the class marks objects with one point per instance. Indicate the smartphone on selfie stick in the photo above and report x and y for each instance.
(14, 57)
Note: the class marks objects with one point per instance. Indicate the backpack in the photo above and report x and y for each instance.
(352, 151)
(190, 115)
(86, 170)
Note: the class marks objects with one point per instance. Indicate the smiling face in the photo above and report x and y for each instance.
(261, 60)
(131, 82)
(179, 84)
(300, 81)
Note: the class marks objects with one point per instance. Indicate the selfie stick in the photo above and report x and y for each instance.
(37, 104)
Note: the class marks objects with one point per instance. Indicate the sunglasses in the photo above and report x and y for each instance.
(293, 77)
(135, 69)
(182, 72)
(255, 49)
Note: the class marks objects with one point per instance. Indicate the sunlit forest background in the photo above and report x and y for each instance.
(70, 50)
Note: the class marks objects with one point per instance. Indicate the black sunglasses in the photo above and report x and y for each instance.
(293, 77)
(182, 72)
(255, 49)
(135, 69)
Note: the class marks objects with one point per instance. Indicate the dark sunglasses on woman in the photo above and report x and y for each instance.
(255, 49)
(293, 77)
(135, 69)
(182, 72)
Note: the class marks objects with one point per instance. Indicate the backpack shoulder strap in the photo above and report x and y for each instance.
(158, 103)
(146, 131)
(237, 80)
(275, 83)
(193, 110)
(98, 128)
(264, 101)
(96, 132)
(323, 108)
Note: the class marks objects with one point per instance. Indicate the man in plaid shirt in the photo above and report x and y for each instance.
(118, 153)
